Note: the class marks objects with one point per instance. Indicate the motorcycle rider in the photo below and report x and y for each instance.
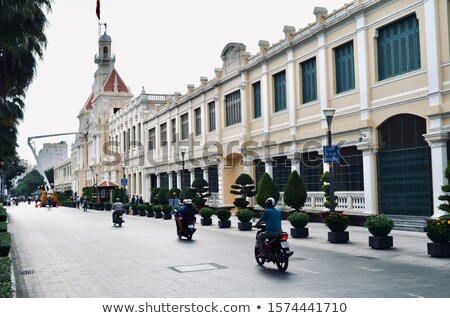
(272, 217)
(117, 207)
(185, 214)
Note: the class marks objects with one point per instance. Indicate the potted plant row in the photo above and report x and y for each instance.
(380, 226)
(337, 223)
(244, 216)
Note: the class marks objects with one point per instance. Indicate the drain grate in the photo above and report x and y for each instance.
(28, 272)
(196, 268)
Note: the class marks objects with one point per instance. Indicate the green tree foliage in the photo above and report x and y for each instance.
(267, 189)
(22, 40)
(244, 187)
(90, 193)
(154, 194)
(162, 196)
(445, 188)
(188, 193)
(29, 183)
(50, 175)
(201, 188)
(295, 192)
(11, 168)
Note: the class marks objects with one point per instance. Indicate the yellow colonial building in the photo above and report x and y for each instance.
(383, 65)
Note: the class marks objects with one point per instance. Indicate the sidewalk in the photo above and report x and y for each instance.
(409, 247)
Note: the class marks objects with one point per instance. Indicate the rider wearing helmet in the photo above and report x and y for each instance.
(185, 214)
(117, 208)
(272, 217)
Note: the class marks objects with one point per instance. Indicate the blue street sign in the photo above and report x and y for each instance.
(331, 154)
(124, 182)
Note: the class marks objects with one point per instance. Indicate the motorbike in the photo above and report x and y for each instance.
(118, 218)
(187, 230)
(278, 251)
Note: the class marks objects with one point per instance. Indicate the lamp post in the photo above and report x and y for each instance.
(329, 113)
(182, 169)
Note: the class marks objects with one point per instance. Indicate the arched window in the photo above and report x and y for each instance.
(105, 51)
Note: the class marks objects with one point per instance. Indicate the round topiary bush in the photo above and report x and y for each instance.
(298, 219)
(244, 215)
(223, 214)
(206, 213)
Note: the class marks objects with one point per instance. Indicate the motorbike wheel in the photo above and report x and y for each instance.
(259, 260)
(284, 262)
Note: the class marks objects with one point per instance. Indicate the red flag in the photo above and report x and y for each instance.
(97, 10)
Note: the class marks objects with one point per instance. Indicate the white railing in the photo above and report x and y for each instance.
(347, 201)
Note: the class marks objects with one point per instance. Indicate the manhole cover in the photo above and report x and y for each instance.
(196, 268)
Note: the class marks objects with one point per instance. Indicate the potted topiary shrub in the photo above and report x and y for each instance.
(5, 243)
(266, 189)
(201, 188)
(244, 216)
(108, 206)
(126, 208)
(299, 220)
(438, 231)
(157, 209)
(380, 226)
(149, 209)
(337, 223)
(141, 208)
(206, 214)
(167, 211)
(244, 187)
(224, 218)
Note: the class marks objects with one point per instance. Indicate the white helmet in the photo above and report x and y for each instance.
(187, 201)
(270, 203)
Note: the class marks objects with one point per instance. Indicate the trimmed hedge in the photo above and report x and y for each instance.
(3, 227)
(5, 243)
(3, 215)
(5, 278)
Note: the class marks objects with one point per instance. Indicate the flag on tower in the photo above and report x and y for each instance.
(97, 9)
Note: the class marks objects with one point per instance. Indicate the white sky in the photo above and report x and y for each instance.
(161, 45)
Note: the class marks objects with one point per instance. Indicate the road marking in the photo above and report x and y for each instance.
(413, 295)
(306, 270)
(370, 269)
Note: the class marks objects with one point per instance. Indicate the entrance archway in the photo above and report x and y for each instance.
(404, 167)
(232, 168)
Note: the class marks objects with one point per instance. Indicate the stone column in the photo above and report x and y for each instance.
(438, 142)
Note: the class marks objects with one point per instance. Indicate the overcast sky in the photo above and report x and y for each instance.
(161, 45)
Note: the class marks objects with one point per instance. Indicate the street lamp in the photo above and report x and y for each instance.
(329, 113)
(182, 168)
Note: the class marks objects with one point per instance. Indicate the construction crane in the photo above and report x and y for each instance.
(31, 144)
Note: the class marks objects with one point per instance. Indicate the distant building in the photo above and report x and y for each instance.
(52, 154)
(62, 172)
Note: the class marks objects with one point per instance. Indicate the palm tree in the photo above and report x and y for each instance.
(22, 39)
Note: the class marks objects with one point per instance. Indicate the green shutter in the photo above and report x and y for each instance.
(280, 91)
(257, 100)
(398, 48)
(345, 72)
(309, 81)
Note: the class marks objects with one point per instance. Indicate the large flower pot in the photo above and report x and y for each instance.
(439, 237)
(150, 214)
(301, 232)
(207, 221)
(337, 227)
(438, 249)
(245, 226)
(380, 231)
(338, 237)
(158, 215)
(167, 216)
(224, 224)
(381, 243)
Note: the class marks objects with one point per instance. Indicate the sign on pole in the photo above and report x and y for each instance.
(124, 182)
(331, 154)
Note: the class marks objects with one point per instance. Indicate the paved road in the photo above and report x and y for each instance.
(69, 253)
